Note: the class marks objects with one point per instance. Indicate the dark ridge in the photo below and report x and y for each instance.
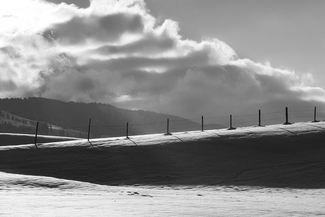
(272, 161)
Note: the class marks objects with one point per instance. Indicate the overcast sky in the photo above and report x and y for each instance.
(183, 57)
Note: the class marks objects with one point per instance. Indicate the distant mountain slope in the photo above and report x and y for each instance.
(107, 120)
(10, 123)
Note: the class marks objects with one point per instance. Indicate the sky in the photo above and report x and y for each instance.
(182, 57)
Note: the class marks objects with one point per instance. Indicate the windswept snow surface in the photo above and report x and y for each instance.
(276, 170)
(22, 195)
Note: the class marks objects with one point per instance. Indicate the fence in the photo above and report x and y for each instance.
(230, 122)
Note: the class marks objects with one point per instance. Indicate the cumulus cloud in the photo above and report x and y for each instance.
(116, 52)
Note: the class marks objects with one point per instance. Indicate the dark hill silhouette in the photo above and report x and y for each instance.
(107, 120)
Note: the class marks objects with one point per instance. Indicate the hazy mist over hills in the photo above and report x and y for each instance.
(106, 120)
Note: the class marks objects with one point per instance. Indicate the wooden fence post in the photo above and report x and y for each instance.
(202, 124)
(36, 132)
(259, 118)
(168, 133)
(127, 130)
(315, 120)
(287, 117)
(231, 127)
(230, 121)
(89, 128)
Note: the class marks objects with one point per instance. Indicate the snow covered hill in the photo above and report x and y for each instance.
(272, 156)
(276, 170)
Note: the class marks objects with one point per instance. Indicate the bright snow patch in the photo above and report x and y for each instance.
(22, 195)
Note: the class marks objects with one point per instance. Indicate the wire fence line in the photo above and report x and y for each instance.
(169, 126)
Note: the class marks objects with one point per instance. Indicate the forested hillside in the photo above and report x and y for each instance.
(107, 120)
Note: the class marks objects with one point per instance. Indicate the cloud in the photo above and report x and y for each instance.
(117, 52)
(95, 29)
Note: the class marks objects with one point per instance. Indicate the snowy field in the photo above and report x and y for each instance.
(276, 170)
(22, 195)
